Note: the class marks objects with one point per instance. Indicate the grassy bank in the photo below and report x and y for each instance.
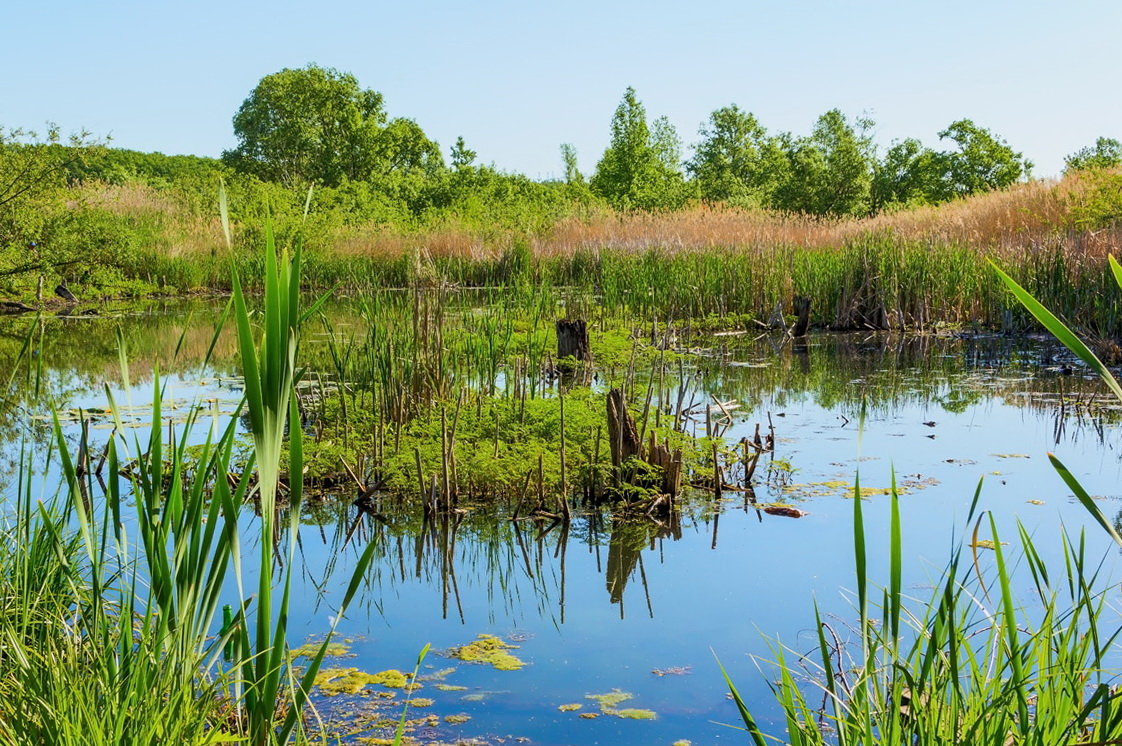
(913, 269)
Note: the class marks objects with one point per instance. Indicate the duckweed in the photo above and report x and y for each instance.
(488, 649)
(333, 681)
(311, 650)
(608, 705)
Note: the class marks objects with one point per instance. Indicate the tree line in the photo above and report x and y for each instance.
(319, 125)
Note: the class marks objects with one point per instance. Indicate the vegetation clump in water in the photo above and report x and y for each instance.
(311, 650)
(608, 705)
(333, 681)
(488, 649)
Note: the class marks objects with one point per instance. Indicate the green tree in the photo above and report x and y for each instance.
(462, 156)
(830, 172)
(736, 161)
(403, 147)
(1106, 153)
(573, 176)
(35, 171)
(640, 168)
(910, 174)
(317, 124)
(982, 162)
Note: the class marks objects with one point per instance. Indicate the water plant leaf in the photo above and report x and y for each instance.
(742, 707)
(1060, 330)
(1085, 499)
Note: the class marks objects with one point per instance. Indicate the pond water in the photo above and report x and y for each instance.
(643, 607)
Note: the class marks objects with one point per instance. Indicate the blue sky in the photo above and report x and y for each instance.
(517, 79)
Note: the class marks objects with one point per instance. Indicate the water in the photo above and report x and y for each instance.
(637, 606)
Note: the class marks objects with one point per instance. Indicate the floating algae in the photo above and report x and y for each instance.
(311, 650)
(420, 702)
(440, 675)
(608, 705)
(456, 719)
(488, 649)
(590, 715)
(450, 687)
(333, 681)
(569, 708)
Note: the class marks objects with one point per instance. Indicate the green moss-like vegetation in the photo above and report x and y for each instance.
(449, 687)
(333, 681)
(611, 699)
(569, 707)
(311, 650)
(456, 719)
(420, 702)
(609, 705)
(490, 650)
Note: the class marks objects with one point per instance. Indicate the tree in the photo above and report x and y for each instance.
(831, 172)
(35, 170)
(311, 124)
(402, 146)
(736, 161)
(640, 167)
(983, 162)
(910, 174)
(573, 176)
(462, 156)
(1106, 153)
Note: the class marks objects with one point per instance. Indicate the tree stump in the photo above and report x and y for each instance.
(572, 340)
(622, 434)
(802, 313)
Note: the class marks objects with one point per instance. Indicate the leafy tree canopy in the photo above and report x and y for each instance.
(982, 161)
(640, 168)
(1106, 153)
(736, 161)
(316, 124)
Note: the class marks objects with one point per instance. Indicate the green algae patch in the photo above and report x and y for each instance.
(420, 702)
(609, 705)
(310, 650)
(456, 719)
(450, 687)
(490, 650)
(683, 742)
(333, 681)
(569, 708)
(590, 715)
(440, 675)
(611, 699)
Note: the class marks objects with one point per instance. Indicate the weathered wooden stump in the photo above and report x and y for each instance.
(572, 340)
(802, 314)
(623, 437)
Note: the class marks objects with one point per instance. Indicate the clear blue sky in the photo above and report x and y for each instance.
(517, 79)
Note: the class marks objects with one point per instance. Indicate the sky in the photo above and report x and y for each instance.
(517, 79)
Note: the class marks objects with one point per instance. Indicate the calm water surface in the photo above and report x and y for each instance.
(641, 607)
